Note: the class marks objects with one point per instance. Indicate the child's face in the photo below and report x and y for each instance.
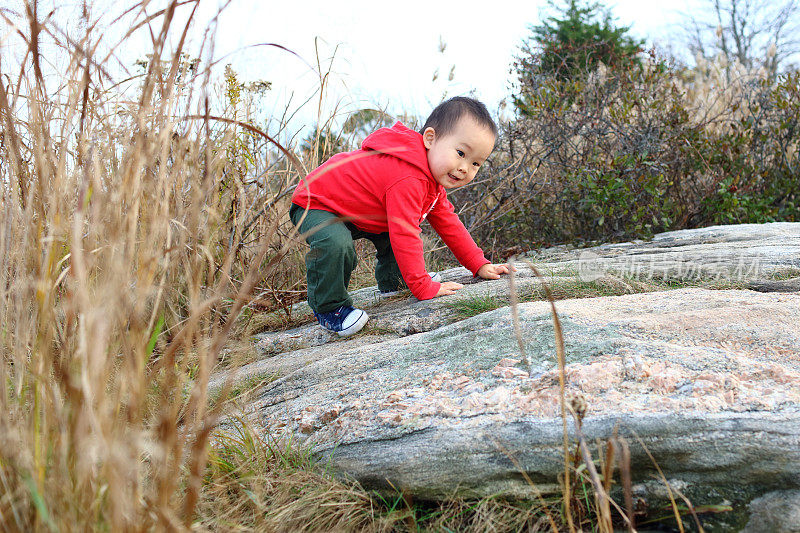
(455, 158)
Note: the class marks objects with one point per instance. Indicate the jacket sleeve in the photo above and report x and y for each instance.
(403, 210)
(446, 223)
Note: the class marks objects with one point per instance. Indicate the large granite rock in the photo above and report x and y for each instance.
(427, 402)
(758, 257)
(745, 253)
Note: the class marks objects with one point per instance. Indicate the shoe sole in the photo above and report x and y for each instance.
(355, 328)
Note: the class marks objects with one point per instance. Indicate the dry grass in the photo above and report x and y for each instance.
(254, 484)
(132, 238)
(143, 230)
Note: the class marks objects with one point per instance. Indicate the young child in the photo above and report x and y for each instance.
(383, 192)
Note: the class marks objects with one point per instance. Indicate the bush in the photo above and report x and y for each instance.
(759, 151)
(623, 152)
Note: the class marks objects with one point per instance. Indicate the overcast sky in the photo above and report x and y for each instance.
(387, 56)
(384, 54)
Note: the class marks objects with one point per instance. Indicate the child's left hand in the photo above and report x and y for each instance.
(490, 271)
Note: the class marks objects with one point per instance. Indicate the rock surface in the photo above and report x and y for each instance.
(782, 285)
(435, 404)
(776, 512)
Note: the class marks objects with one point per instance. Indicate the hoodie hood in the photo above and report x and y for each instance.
(400, 142)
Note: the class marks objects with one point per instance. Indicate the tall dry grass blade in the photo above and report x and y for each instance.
(608, 465)
(625, 475)
(512, 289)
(11, 143)
(673, 504)
(289, 155)
(691, 510)
(147, 20)
(33, 43)
(604, 501)
(561, 357)
(198, 457)
(178, 52)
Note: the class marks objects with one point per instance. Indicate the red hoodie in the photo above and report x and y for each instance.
(387, 186)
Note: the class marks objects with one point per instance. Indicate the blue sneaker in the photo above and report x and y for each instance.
(345, 321)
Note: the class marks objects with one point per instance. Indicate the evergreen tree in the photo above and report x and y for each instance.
(572, 43)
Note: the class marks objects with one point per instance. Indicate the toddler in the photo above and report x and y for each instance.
(383, 192)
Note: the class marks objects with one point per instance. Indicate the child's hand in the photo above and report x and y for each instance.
(449, 287)
(490, 271)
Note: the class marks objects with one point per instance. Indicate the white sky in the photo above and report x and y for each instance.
(386, 53)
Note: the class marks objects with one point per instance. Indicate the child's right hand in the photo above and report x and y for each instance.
(449, 287)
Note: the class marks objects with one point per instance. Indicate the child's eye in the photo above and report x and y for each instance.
(460, 153)
(476, 164)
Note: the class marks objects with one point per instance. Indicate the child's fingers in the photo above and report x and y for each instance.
(506, 268)
(448, 287)
(452, 287)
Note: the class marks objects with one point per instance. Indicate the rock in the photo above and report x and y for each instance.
(784, 285)
(742, 253)
(408, 419)
(737, 255)
(776, 512)
(436, 405)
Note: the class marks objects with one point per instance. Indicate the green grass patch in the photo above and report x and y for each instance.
(475, 305)
(565, 288)
(784, 274)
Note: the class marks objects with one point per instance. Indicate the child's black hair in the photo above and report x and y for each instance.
(447, 114)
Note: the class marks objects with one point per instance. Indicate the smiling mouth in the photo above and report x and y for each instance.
(454, 178)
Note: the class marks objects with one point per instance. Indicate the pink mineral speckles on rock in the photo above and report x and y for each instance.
(704, 387)
(447, 407)
(395, 396)
(498, 396)
(459, 382)
(329, 415)
(474, 387)
(665, 379)
(474, 401)
(506, 372)
(597, 376)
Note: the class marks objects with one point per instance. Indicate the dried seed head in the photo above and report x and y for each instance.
(577, 403)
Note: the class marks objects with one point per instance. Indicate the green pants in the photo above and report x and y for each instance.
(332, 258)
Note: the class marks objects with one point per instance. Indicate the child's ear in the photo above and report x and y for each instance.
(428, 137)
